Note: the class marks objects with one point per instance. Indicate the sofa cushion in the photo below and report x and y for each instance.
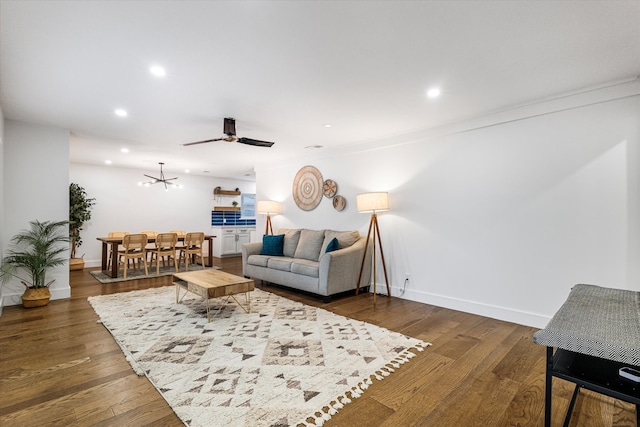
(259, 260)
(310, 244)
(280, 263)
(345, 238)
(333, 245)
(272, 245)
(305, 267)
(291, 238)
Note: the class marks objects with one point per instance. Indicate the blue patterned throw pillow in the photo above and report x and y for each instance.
(272, 245)
(333, 245)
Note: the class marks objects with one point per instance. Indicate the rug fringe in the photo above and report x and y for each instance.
(139, 372)
(320, 417)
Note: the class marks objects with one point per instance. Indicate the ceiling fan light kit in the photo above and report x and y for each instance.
(229, 129)
(166, 181)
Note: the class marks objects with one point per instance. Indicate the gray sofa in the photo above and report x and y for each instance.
(305, 263)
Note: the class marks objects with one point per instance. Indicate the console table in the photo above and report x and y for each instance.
(595, 332)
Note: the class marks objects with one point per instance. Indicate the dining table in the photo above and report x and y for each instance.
(115, 242)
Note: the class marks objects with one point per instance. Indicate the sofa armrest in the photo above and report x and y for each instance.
(249, 249)
(339, 269)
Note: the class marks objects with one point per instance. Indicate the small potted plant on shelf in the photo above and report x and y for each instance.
(35, 252)
(79, 212)
(234, 204)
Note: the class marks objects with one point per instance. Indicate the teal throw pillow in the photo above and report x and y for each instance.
(333, 245)
(272, 245)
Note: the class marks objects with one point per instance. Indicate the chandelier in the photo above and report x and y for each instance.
(162, 179)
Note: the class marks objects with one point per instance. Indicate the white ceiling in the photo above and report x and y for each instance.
(284, 69)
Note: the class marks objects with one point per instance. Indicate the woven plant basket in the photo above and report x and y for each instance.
(76, 264)
(36, 297)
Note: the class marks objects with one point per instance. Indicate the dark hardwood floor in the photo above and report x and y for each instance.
(58, 366)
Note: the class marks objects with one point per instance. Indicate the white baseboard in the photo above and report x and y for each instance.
(92, 263)
(481, 309)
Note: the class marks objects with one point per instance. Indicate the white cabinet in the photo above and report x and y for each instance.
(244, 236)
(229, 237)
(229, 240)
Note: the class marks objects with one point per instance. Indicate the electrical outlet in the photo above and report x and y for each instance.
(406, 276)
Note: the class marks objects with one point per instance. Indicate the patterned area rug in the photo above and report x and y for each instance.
(138, 273)
(284, 364)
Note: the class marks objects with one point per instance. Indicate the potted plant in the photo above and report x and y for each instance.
(79, 213)
(35, 252)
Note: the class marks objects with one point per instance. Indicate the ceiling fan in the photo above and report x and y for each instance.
(230, 131)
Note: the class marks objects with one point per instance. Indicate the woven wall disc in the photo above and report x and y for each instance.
(307, 188)
(329, 188)
(339, 203)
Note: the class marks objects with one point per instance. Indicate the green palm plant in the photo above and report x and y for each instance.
(36, 251)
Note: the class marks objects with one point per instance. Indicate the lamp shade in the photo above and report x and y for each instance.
(372, 202)
(269, 207)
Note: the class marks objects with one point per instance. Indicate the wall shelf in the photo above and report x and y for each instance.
(219, 192)
(226, 208)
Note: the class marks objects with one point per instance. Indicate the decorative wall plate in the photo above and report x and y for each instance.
(307, 188)
(339, 203)
(329, 188)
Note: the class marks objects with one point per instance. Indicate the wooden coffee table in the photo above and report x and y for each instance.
(214, 284)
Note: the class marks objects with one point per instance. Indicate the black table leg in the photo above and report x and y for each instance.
(567, 418)
(548, 388)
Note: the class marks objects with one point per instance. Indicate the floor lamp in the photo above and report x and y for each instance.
(269, 207)
(373, 202)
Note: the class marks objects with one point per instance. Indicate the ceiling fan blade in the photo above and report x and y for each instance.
(255, 142)
(202, 142)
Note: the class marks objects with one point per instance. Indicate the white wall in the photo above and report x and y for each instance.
(1, 195)
(35, 186)
(499, 216)
(122, 205)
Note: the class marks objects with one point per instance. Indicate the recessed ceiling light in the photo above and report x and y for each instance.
(187, 171)
(433, 93)
(124, 150)
(327, 125)
(120, 112)
(157, 71)
(108, 162)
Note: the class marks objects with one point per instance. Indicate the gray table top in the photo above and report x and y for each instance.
(597, 321)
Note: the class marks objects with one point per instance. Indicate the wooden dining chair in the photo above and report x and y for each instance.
(151, 234)
(165, 246)
(134, 247)
(181, 235)
(192, 247)
(119, 234)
